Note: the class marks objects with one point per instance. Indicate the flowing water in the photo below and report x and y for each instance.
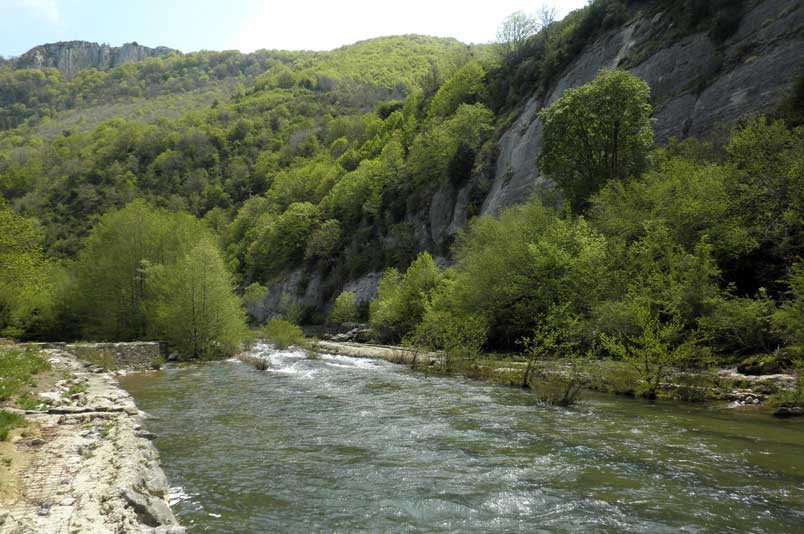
(347, 445)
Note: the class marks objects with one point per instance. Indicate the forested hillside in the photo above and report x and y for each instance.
(296, 175)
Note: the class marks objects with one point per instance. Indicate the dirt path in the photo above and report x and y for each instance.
(88, 467)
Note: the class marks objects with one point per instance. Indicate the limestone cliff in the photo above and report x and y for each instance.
(696, 84)
(73, 56)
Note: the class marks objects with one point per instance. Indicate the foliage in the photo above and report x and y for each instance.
(595, 133)
(402, 298)
(191, 304)
(515, 270)
(113, 266)
(464, 87)
(459, 336)
(563, 386)
(282, 333)
(656, 349)
(740, 325)
(690, 199)
(24, 287)
(766, 188)
(788, 320)
(344, 310)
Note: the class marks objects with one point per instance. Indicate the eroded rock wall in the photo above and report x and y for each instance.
(73, 56)
(696, 84)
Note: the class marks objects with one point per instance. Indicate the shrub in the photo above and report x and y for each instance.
(283, 333)
(344, 310)
(561, 387)
(788, 321)
(739, 325)
(402, 298)
(794, 397)
(656, 349)
(459, 336)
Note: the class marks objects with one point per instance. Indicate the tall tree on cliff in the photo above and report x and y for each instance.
(596, 133)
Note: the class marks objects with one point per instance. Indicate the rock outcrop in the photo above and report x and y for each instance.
(696, 84)
(93, 469)
(73, 56)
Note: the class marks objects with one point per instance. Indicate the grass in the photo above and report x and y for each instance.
(260, 364)
(95, 357)
(76, 389)
(17, 369)
(9, 421)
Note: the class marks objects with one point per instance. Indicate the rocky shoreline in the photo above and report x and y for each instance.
(86, 463)
(727, 385)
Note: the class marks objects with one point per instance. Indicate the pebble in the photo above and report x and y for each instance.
(69, 501)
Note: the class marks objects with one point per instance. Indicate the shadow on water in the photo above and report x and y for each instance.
(349, 445)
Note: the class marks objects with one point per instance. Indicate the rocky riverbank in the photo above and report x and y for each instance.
(85, 464)
(726, 385)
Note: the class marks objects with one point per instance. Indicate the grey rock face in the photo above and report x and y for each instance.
(291, 285)
(365, 287)
(74, 56)
(696, 86)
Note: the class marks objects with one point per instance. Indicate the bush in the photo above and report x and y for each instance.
(562, 386)
(344, 310)
(792, 398)
(788, 321)
(283, 333)
(658, 347)
(402, 298)
(513, 270)
(459, 336)
(740, 325)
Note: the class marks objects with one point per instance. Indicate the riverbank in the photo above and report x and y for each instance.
(726, 385)
(84, 463)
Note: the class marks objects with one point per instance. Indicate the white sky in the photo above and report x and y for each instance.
(248, 25)
(298, 24)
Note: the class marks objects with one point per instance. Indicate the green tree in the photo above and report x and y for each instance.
(113, 263)
(595, 133)
(689, 198)
(344, 310)
(656, 349)
(402, 298)
(464, 87)
(24, 284)
(192, 305)
(513, 270)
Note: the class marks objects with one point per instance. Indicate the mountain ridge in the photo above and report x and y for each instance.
(70, 57)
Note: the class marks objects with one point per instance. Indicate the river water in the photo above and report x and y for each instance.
(349, 445)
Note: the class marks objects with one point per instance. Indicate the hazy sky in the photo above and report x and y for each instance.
(248, 25)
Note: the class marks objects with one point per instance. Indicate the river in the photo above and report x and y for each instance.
(338, 444)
